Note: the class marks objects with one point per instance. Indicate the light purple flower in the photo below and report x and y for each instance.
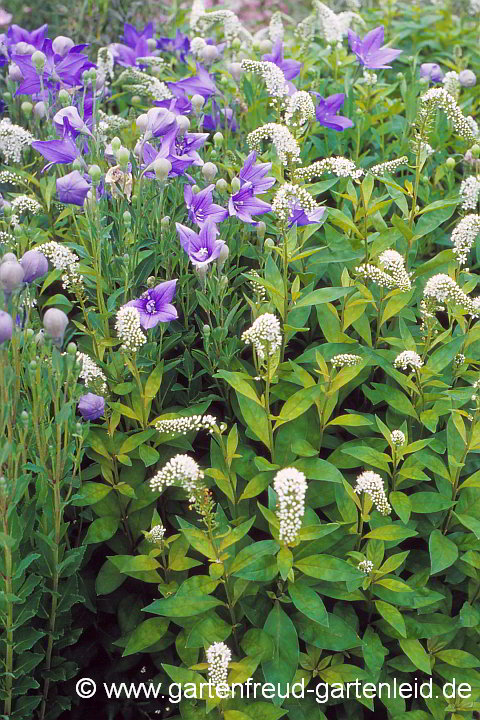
(467, 78)
(74, 123)
(200, 84)
(73, 188)
(217, 119)
(35, 37)
(202, 248)
(244, 204)
(180, 43)
(254, 173)
(66, 70)
(290, 68)
(432, 71)
(127, 55)
(34, 264)
(201, 206)
(299, 216)
(326, 112)
(59, 152)
(6, 326)
(154, 306)
(131, 35)
(91, 406)
(159, 121)
(370, 52)
(5, 17)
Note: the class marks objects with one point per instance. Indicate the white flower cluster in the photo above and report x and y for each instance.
(272, 75)
(90, 372)
(6, 238)
(201, 22)
(105, 63)
(24, 205)
(299, 109)
(339, 166)
(275, 28)
(218, 657)
(285, 144)
(440, 98)
(10, 178)
(144, 84)
(156, 534)
(127, 327)
(287, 196)
(441, 289)
(291, 486)
(184, 425)
(388, 167)
(62, 258)
(451, 83)
(370, 78)
(258, 289)
(473, 126)
(13, 138)
(305, 30)
(371, 483)
(196, 45)
(345, 360)
(333, 27)
(464, 236)
(114, 123)
(474, 7)
(365, 566)
(181, 469)
(397, 437)
(408, 359)
(264, 334)
(392, 273)
(470, 192)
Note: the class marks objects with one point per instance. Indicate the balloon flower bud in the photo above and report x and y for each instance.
(221, 185)
(116, 144)
(11, 276)
(198, 102)
(209, 54)
(236, 185)
(55, 323)
(450, 163)
(141, 122)
(123, 156)
(261, 228)
(209, 170)
(95, 173)
(6, 326)
(127, 218)
(38, 59)
(62, 45)
(14, 73)
(40, 110)
(222, 258)
(183, 124)
(162, 167)
(467, 78)
(34, 264)
(91, 406)
(64, 98)
(26, 107)
(218, 139)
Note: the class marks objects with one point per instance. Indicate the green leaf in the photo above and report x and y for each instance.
(323, 295)
(308, 602)
(90, 493)
(350, 421)
(338, 636)
(255, 418)
(390, 532)
(145, 635)
(392, 616)
(429, 502)
(443, 552)
(281, 668)
(470, 522)
(101, 529)
(299, 403)
(401, 504)
(236, 534)
(187, 606)
(108, 579)
(240, 384)
(133, 441)
(284, 562)
(415, 651)
(152, 386)
(458, 658)
(326, 567)
(133, 563)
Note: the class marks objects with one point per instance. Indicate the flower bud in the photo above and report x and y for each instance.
(14, 73)
(235, 69)
(29, 333)
(152, 44)
(261, 228)
(236, 44)
(71, 348)
(222, 258)
(77, 164)
(162, 167)
(151, 280)
(195, 189)
(450, 163)
(206, 330)
(467, 78)
(198, 102)
(209, 170)
(269, 245)
(116, 144)
(213, 154)
(91, 406)
(40, 110)
(32, 365)
(209, 54)
(123, 156)
(6, 326)
(26, 107)
(40, 338)
(55, 323)
(475, 150)
(78, 428)
(236, 185)
(183, 124)
(218, 139)
(141, 122)
(127, 218)
(62, 45)
(24, 416)
(221, 185)
(165, 222)
(64, 98)
(34, 264)
(136, 100)
(38, 59)
(11, 276)
(265, 45)
(95, 173)
(7, 257)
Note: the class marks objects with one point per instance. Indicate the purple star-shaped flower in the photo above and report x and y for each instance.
(91, 406)
(369, 51)
(131, 35)
(179, 164)
(254, 173)
(17, 34)
(155, 305)
(200, 84)
(73, 188)
(201, 206)
(202, 248)
(179, 105)
(58, 152)
(159, 121)
(179, 44)
(66, 70)
(244, 204)
(300, 217)
(326, 112)
(217, 119)
(290, 68)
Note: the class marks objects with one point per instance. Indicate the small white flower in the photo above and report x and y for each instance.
(265, 335)
(340, 166)
(464, 236)
(299, 109)
(90, 372)
(285, 144)
(408, 359)
(398, 438)
(371, 483)
(365, 566)
(181, 469)
(470, 192)
(345, 360)
(184, 425)
(128, 329)
(13, 139)
(156, 534)
(441, 289)
(287, 196)
(218, 657)
(291, 486)
(441, 98)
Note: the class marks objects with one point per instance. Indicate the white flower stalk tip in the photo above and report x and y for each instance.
(218, 657)
(371, 483)
(291, 487)
(265, 335)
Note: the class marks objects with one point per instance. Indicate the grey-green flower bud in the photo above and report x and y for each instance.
(71, 348)
(209, 170)
(218, 139)
(236, 185)
(55, 323)
(64, 98)
(116, 144)
(127, 218)
(269, 245)
(95, 173)
(198, 102)
(122, 155)
(38, 59)
(26, 107)
(261, 229)
(221, 185)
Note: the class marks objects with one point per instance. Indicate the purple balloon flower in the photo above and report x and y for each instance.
(432, 71)
(91, 406)
(201, 206)
(179, 105)
(298, 216)
(34, 264)
(73, 188)
(326, 112)
(217, 119)
(59, 152)
(6, 326)
(131, 35)
(127, 55)
(202, 248)
(17, 34)
(179, 44)
(244, 204)
(75, 123)
(67, 70)
(200, 84)
(157, 121)
(369, 51)
(255, 174)
(290, 68)
(154, 305)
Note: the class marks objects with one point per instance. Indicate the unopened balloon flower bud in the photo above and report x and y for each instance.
(198, 102)
(9, 256)
(261, 228)
(222, 258)
(183, 124)
(38, 59)
(24, 417)
(40, 338)
(195, 189)
(235, 69)
(61, 45)
(71, 348)
(213, 154)
(6, 326)
(136, 100)
(55, 323)
(127, 218)
(79, 428)
(236, 43)
(161, 167)
(265, 45)
(95, 173)
(29, 332)
(64, 98)
(475, 150)
(467, 78)
(269, 245)
(14, 73)
(209, 54)
(206, 330)
(24, 48)
(399, 76)
(26, 107)
(7, 95)
(141, 122)
(152, 44)
(32, 364)
(165, 222)
(77, 164)
(122, 155)
(11, 276)
(236, 185)
(450, 163)
(116, 144)
(218, 139)
(40, 109)
(34, 264)
(209, 170)
(221, 185)
(151, 280)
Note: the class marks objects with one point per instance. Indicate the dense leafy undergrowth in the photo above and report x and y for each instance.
(239, 364)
